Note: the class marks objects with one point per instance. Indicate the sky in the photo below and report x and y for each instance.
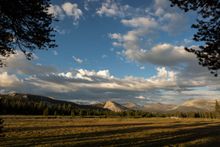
(120, 50)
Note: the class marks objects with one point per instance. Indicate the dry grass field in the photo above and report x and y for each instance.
(39, 131)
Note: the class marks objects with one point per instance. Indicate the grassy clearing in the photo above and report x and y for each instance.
(64, 131)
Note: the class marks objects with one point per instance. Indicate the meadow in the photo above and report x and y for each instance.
(67, 131)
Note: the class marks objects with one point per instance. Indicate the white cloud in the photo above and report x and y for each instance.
(140, 97)
(17, 63)
(138, 43)
(164, 75)
(101, 85)
(77, 60)
(66, 75)
(116, 36)
(87, 4)
(111, 8)
(72, 9)
(140, 22)
(56, 11)
(162, 4)
(100, 74)
(117, 44)
(138, 49)
(86, 79)
(23, 76)
(171, 21)
(102, 80)
(66, 9)
(161, 54)
(7, 80)
(142, 67)
(166, 55)
(104, 74)
(175, 22)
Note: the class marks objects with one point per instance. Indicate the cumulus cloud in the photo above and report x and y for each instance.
(91, 85)
(138, 42)
(83, 83)
(7, 80)
(138, 46)
(140, 22)
(100, 74)
(163, 54)
(111, 8)
(116, 36)
(72, 10)
(171, 79)
(66, 9)
(175, 21)
(17, 63)
(56, 11)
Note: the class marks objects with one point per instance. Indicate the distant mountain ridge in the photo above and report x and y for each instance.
(158, 107)
(47, 100)
(132, 106)
(190, 105)
(115, 107)
(196, 105)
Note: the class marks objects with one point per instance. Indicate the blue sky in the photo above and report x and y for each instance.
(89, 40)
(122, 50)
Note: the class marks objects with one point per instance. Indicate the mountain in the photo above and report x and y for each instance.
(30, 99)
(113, 106)
(99, 105)
(191, 105)
(35, 98)
(32, 102)
(132, 106)
(157, 107)
(196, 105)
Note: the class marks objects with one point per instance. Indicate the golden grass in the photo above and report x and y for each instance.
(65, 131)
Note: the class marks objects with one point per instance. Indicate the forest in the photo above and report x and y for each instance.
(35, 105)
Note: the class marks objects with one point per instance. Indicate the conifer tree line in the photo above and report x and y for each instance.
(17, 105)
(1, 127)
(217, 108)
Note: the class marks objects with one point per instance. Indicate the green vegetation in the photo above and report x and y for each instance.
(26, 27)
(47, 122)
(217, 107)
(68, 131)
(1, 127)
(208, 28)
(20, 104)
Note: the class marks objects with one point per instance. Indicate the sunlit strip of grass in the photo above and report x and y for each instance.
(201, 141)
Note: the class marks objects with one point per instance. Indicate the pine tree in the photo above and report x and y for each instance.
(217, 108)
(45, 112)
(1, 127)
(25, 26)
(72, 113)
(208, 31)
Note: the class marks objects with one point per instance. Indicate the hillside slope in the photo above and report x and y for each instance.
(18, 103)
(196, 105)
(113, 106)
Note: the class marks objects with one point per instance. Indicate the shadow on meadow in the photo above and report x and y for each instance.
(110, 137)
